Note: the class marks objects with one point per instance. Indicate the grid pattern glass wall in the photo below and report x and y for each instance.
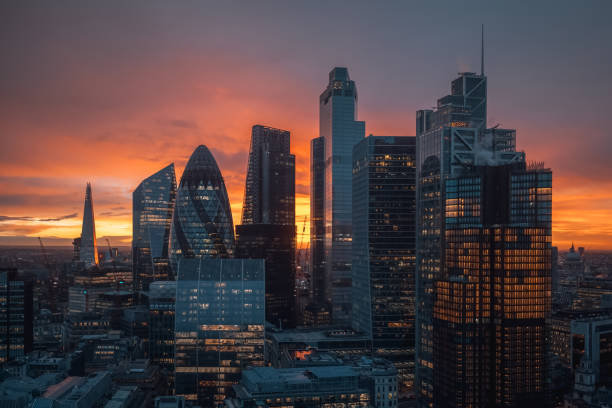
(384, 211)
(337, 125)
(153, 206)
(493, 297)
(162, 299)
(269, 196)
(202, 225)
(220, 317)
(317, 220)
(465, 108)
(276, 245)
(16, 316)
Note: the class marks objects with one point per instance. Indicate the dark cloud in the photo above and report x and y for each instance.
(302, 189)
(4, 218)
(186, 124)
(114, 214)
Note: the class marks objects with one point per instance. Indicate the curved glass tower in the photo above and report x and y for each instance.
(202, 225)
(153, 205)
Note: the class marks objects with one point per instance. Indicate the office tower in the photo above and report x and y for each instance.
(493, 295)
(384, 252)
(88, 250)
(16, 316)
(340, 130)
(202, 225)
(317, 222)
(162, 298)
(276, 245)
(268, 219)
(153, 206)
(269, 196)
(449, 139)
(220, 317)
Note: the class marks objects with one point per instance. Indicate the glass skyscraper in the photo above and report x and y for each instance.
(384, 222)
(202, 224)
(268, 219)
(493, 297)
(220, 317)
(341, 131)
(16, 316)
(450, 139)
(162, 300)
(89, 248)
(153, 205)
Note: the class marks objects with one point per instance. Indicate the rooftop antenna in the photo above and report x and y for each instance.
(482, 50)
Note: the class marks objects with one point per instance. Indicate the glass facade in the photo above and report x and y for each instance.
(450, 139)
(340, 130)
(269, 196)
(493, 296)
(220, 317)
(16, 316)
(152, 209)
(383, 265)
(202, 224)
(276, 245)
(317, 221)
(162, 299)
(89, 249)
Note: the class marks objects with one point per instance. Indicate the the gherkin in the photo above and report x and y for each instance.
(202, 226)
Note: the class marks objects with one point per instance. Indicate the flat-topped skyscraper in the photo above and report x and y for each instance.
(341, 131)
(89, 248)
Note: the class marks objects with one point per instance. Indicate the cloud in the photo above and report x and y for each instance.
(185, 124)
(4, 218)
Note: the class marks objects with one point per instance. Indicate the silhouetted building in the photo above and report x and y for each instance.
(202, 225)
(269, 196)
(493, 295)
(162, 300)
(275, 244)
(341, 131)
(152, 208)
(384, 222)
(16, 316)
(268, 219)
(591, 339)
(88, 251)
(219, 329)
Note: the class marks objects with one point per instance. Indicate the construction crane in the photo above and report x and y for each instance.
(110, 253)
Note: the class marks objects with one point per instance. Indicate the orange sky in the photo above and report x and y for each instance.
(86, 96)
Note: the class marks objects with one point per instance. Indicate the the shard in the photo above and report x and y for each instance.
(89, 248)
(153, 206)
(202, 225)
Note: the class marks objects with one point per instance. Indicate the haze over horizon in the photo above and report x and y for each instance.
(112, 92)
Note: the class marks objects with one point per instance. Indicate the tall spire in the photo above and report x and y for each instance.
(482, 49)
(89, 249)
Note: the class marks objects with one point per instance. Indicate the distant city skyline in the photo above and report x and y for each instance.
(76, 107)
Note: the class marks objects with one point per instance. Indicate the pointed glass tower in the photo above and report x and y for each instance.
(202, 225)
(153, 206)
(89, 248)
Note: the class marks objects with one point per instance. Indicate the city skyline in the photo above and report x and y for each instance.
(205, 102)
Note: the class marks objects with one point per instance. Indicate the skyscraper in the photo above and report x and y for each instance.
(89, 249)
(384, 252)
(493, 296)
(317, 220)
(268, 219)
(341, 131)
(16, 316)
(220, 317)
(449, 139)
(269, 195)
(153, 205)
(162, 300)
(202, 225)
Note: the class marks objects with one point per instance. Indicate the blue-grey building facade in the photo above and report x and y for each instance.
(152, 209)
(383, 265)
(219, 329)
(202, 225)
(341, 131)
